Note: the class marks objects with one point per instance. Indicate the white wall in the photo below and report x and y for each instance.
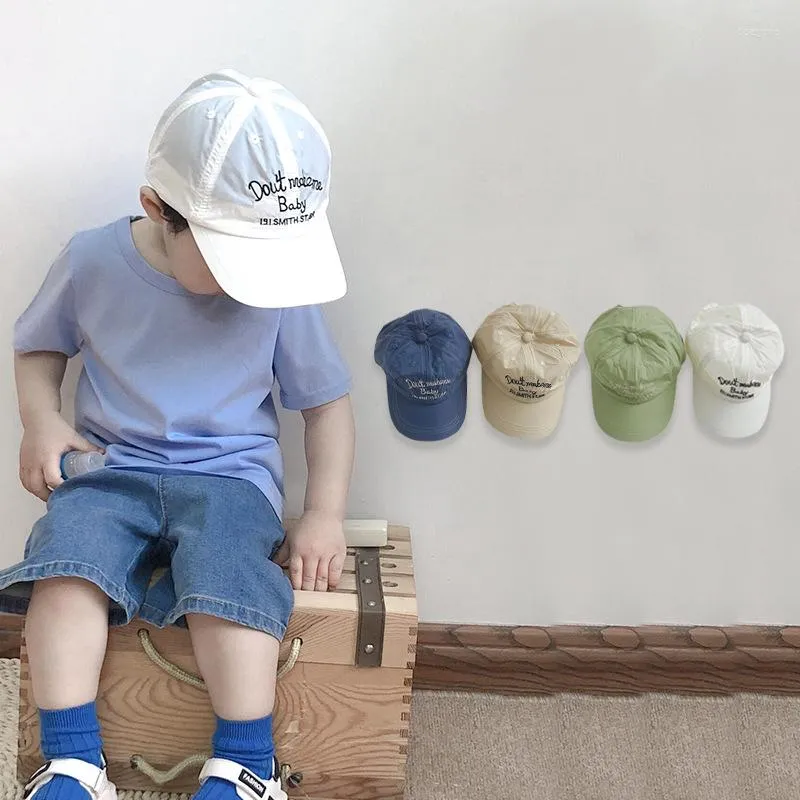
(569, 153)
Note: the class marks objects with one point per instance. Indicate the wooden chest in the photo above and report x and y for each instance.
(342, 714)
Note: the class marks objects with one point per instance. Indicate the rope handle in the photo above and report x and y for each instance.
(174, 671)
(160, 777)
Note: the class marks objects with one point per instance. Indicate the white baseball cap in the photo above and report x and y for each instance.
(735, 350)
(526, 354)
(248, 166)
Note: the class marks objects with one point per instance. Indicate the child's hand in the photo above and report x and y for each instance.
(314, 551)
(45, 440)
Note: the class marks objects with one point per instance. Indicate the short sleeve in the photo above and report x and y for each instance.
(307, 363)
(50, 323)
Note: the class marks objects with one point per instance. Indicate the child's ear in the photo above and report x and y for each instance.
(152, 205)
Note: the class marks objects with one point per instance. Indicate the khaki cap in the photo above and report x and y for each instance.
(526, 353)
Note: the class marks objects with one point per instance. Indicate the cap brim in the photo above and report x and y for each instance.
(297, 270)
(628, 422)
(535, 420)
(428, 422)
(730, 419)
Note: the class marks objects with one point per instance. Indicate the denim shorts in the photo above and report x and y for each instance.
(161, 545)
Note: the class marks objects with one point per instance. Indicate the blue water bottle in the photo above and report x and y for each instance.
(76, 463)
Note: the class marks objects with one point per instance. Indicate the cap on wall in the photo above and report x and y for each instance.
(735, 351)
(425, 355)
(635, 354)
(246, 163)
(526, 353)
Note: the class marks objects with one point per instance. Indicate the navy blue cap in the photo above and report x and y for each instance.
(425, 356)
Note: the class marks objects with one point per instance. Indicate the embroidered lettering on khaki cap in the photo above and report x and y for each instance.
(635, 354)
(526, 353)
(425, 355)
(735, 351)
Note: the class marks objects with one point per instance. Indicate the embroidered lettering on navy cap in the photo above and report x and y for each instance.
(421, 389)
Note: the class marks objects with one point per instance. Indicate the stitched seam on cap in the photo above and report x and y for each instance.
(220, 150)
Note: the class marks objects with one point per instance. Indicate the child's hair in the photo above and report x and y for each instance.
(175, 222)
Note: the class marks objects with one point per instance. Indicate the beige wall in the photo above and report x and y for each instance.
(573, 154)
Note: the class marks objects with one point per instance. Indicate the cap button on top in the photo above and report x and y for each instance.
(745, 337)
(631, 337)
(527, 337)
(420, 337)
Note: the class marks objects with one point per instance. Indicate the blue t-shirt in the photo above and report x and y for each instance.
(173, 380)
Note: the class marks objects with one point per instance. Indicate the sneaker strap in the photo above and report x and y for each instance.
(248, 785)
(94, 779)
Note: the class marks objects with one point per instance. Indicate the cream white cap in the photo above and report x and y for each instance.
(248, 166)
(735, 351)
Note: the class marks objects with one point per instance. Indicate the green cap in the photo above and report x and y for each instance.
(635, 354)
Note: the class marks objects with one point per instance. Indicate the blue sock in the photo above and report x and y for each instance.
(246, 743)
(69, 733)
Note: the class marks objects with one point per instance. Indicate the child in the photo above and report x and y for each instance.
(184, 319)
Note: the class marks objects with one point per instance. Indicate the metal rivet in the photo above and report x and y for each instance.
(369, 649)
(367, 580)
(365, 563)
(372, 604)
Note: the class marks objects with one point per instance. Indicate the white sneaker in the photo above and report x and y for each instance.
(92, 778)
(248, 786)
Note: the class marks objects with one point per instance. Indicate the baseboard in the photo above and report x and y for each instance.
(609, 660)
(597, 660)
